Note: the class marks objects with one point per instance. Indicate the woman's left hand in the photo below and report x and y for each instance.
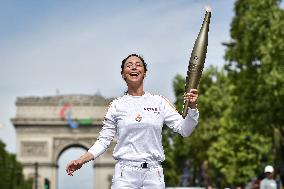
(192, 97)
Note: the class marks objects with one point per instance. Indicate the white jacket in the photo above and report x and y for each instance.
(137, 121)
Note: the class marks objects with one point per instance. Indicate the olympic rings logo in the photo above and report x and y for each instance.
(65, 113)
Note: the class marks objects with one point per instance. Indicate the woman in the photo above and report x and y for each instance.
(137, 119)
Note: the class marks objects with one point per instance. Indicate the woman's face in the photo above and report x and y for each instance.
(133, 71)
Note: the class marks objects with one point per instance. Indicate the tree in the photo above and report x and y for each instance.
(240, 105)
(253, 124)
(193, 150)
(11, 171)
(241, 114)
(169, 165)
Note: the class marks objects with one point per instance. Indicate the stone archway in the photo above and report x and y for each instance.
(42, 134)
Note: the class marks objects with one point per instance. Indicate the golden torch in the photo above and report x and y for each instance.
(197, 59)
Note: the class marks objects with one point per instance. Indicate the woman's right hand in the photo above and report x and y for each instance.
(73, 166)
(77, 164)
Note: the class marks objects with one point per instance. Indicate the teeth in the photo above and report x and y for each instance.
(134, 74)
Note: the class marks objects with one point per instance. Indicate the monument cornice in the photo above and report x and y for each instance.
(45, 121)
(59, 100)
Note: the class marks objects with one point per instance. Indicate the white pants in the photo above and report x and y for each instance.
(133, 177)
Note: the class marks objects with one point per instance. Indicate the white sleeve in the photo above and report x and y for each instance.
(176, 122)
(107, 133)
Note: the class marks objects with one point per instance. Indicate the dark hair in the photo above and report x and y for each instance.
(138, 56)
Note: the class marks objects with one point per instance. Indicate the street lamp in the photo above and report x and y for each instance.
(36, 174)
(46, 183)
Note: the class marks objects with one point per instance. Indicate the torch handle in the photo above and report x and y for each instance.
(185, 109)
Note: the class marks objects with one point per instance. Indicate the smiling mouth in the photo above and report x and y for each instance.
(134, 74)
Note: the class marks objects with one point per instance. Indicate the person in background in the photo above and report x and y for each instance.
(256, 182)
(208, 187)
(268, 182)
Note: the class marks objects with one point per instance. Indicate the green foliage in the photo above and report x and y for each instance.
(169, 165)
(241, 125)
(11, 171)
(237, 154)
(192, 149)
(247, 128)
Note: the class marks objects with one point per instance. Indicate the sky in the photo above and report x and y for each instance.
(76, 47)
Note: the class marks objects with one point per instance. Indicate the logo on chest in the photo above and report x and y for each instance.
(154, 110)
(138, 118)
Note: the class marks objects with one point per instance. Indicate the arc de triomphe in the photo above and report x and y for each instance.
(47, 126)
